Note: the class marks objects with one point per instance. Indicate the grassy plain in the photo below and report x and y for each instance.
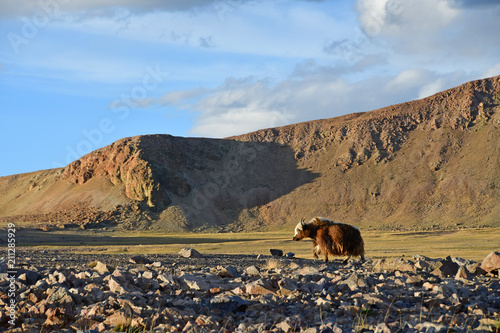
(466, 243)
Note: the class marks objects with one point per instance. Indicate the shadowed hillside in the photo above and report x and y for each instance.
(430, 162)
(158, 181)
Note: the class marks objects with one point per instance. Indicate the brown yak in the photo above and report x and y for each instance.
(331, 238)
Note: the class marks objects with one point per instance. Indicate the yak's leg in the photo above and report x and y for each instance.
(315, 248)
(363, 257)
(328, 246)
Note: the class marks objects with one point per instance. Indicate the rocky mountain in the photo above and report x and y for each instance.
(424, 163)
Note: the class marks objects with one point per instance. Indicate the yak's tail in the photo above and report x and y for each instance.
(357, 246)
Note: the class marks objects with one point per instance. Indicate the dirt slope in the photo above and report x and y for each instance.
(430, 162)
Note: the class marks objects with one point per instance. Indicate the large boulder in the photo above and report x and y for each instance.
(190, 253)
(446, 268)
(491, 262)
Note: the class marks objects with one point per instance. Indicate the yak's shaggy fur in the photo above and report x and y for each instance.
(331, 238)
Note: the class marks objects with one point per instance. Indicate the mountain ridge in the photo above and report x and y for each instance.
(417, 164)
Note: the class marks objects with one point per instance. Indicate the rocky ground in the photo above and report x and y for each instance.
(61, 291)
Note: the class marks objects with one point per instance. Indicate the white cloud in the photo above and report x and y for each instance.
(431, 88)
(437, 82)
(372, 15)
(12, 8)
(243, 105)
(399, 17)
(17, 8)
(407, 79)
(492, 71)
(440, 36)
(240, 121)
(434, 30)
(178, 98)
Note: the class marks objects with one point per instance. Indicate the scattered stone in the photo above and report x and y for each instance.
(398, 264)
(56, 317)
(167, 278)
(461, 261)
(336, 329)
(323, 303)
(289, 254)
(102, 268)
(3, 266)
(382, 328)
(190, 253)
(475, 268)
(119, 319)
(491, 262)
(27, 276)
(430, 327)
(284, 326)
(354, 282)
(59, 296)
(415, 280)
(242, 294)
(228, 272)
(140, 260)
(81, 325)
(252, 270)
(446, 268)
(463, 273)
(115, 286)
(228, 303)
(286, 287)
(260, 287)
(276, 252)
(147, 275)
(194, 282)
(308, 270)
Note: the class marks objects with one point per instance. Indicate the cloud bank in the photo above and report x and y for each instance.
(13, 8)
(416, 49)
(400, 50)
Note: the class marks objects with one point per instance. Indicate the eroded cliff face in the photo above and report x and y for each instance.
(428, 162)
(192, 183)
(378, 134)
(123, 163)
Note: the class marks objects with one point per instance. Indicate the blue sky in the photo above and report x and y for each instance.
(77, 75)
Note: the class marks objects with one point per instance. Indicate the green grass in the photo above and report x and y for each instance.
(469, 243)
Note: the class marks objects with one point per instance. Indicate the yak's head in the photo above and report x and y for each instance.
(299, 231)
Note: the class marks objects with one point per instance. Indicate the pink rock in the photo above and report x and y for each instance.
(115, 286)
(260, 287)
(491, 262)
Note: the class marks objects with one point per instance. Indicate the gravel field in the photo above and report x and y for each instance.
(62, 291)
